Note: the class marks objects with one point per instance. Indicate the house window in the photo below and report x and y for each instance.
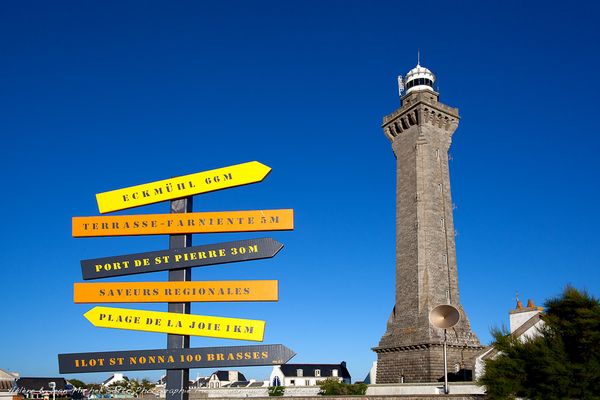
(307, 383)
(317, 372)
(292, 382)
(299, 372)
(334, 372)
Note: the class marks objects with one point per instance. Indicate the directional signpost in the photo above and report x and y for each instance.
(202, 357)
(180, 290)
(172, 292)
(196, 256)
(182, 186)
(178, 380)
(178, 324)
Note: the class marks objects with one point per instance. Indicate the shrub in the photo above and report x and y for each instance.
(276, 390)
(333, 387)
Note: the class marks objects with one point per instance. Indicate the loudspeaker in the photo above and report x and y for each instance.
(444, 316)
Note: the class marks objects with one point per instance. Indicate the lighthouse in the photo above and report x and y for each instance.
(420, 132)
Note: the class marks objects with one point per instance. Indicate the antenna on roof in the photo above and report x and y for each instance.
(418, 56)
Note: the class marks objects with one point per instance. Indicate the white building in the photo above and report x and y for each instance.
(220, 379)
(307, 374)
(525, 323)
(114, 378)
(371, 378)
(7, 380)
(200, 382)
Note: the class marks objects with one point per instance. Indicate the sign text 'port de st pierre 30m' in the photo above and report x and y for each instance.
(195, 256)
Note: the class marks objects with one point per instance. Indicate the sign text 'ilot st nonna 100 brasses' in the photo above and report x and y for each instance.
(196, 256)
(178, 324)
(201, 357)
(184, 223)
(182, 186)
(174, 292)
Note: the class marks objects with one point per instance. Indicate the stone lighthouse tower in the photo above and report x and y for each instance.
(420, 132)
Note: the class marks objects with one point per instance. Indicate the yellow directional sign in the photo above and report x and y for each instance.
(174, 292)
(180, 223)
(182, 186)
(179, 324)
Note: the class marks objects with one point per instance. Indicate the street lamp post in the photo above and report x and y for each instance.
(444, 316)
(52, 386)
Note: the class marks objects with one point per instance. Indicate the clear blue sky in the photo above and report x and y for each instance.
(102, 95)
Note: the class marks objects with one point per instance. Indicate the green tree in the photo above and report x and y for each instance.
(563, 362)
(77, 383)
(94, 387)
(134, 387)
(333, 387)
(276, 390)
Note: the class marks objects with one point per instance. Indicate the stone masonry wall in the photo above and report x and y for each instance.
(424, 364)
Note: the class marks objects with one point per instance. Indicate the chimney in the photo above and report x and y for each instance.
(233, 376)
(520, 315)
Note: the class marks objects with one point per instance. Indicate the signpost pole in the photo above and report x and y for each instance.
(178, 379)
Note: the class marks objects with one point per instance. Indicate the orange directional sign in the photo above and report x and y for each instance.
(173, 224)
(174, 292)
(182, 186)
(178, 324)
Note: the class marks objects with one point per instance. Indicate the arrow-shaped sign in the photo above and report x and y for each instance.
(182, 186)
(175, 292)
(197, 256)
(202, 357)
(184, 223)
(178, 324)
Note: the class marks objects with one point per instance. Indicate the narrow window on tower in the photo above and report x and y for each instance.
(437, 154)
(442, 223)
(440, 187)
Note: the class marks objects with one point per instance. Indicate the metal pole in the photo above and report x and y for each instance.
(446, 389)
(178, 380)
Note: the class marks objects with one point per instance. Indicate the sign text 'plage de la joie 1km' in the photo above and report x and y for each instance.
(178, 324)
(176, 224)
(201, 357)
(196, 256)
(182, 186)
(174, 292)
